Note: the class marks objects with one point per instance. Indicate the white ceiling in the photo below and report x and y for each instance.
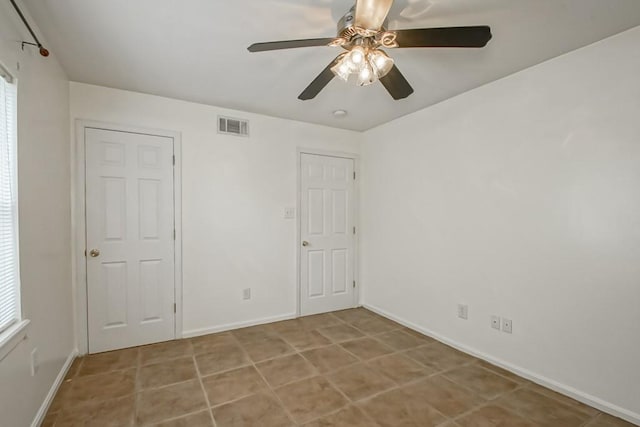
(196, 50)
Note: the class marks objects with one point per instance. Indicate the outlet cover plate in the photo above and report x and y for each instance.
(246, 293)
(495, 322)
(506, 325)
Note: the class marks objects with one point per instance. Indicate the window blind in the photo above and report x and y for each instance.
(9, 276)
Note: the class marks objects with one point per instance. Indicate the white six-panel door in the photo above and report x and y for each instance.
(130, 239)
(327, 234)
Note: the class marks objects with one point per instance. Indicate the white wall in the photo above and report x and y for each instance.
(44, 203)
(521, 199)
(234, 194)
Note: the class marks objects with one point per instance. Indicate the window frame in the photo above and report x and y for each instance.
(14, 332)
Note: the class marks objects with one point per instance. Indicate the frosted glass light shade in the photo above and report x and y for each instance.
(380, 62)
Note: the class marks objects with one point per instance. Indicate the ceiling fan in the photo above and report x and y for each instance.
(362, 33)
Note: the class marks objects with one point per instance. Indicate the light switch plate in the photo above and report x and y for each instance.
(463, 311)
(289, 213)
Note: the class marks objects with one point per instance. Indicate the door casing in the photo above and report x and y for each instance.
(356, 217)
(78, 228)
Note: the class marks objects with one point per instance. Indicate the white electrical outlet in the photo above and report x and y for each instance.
(34, 362)
(463, 311)
(495, 322)
(246, 294)
(289, 213)
(506, 325)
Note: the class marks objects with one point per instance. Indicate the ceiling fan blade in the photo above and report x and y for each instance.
(395, 83)
(370, 14)
(318, 83)
(289, 44)
(477, 36)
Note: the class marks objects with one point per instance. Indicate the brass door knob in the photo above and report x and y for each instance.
(305, 243)
(94, 253)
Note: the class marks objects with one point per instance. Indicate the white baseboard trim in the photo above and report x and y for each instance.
(42, 412)
(237, 325)
(578, 395)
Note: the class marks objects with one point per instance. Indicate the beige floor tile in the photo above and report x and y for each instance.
(447, 397)
(502, 372)
(208, 343)
(303, 339)
(116, 412)
(439, 356)
(401, 340)
(101, 387)
(340, 333)
(109, 361)
(400, 368)
(493, 416)
(375, 326)
(173, 401)
(259, 410)
(253, 333)
(199, 419)
(285, 369)
(285, 326)
(311, 398)
(232, 385)
(326, 359)
(318, 321)
(267, 348)
(397, 408)
(74, 368)
(542, 409)
(354, 315)
(481, 381)
(604, 420)
(592, 412)
(366, 348)
(49, 420)
(410, 331)
(351, 417)
(223, 358)
(164, 351)
(61, 397)
(360, 381)
(165, 373)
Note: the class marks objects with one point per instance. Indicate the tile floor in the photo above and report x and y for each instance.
(348, 368)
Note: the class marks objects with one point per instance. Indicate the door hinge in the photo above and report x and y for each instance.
(85, 252)
(174, 160)
(174, 307)
(354, 283)
(174, 234)
(354, 230)
(354, 175)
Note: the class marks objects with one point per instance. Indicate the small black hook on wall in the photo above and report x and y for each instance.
(44, 52)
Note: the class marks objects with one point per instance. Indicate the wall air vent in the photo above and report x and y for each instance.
(230, 126)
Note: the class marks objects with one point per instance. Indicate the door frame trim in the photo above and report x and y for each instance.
(78, 228)
(356, 216)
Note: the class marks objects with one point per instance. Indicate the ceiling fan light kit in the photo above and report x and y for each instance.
(368, 64)
(362, 33)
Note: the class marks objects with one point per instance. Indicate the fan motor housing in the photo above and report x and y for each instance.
(346, 25)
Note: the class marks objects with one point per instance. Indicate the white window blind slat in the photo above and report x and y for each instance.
(9, 271)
